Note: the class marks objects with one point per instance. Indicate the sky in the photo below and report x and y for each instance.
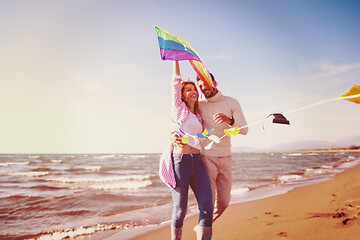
(86, 76)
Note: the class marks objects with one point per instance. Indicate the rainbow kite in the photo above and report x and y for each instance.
(175, 48)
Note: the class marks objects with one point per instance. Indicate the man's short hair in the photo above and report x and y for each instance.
(211, 75)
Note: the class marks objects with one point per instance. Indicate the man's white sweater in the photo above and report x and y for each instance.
(230, 107)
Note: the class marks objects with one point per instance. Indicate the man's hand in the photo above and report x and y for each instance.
(176, 139)
(222, 118)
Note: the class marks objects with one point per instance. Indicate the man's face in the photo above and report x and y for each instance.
(205, 88)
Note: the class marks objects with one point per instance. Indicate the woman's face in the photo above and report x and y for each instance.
(190, 93)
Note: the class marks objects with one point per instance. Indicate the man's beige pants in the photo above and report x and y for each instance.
(219, 171)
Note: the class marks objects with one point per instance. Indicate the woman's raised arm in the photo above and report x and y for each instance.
(176, 67)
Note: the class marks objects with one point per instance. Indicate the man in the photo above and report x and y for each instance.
(218, 112)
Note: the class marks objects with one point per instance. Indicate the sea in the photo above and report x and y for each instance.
(72, 196)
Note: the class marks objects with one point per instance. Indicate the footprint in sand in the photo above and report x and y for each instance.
(269, 213)
(283, 234)
(339, 215)
(345, 222)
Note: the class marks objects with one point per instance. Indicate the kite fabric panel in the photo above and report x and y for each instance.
(353, 94)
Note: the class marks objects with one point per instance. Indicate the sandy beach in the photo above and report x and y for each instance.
(327, 210)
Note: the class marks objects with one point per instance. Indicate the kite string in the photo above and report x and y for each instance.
(322, 102)
(250, 124)
(307, 106)
(313, 105)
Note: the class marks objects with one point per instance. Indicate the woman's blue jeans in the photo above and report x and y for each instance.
(190, 171)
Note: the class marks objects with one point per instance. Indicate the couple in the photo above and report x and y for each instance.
(208, 173)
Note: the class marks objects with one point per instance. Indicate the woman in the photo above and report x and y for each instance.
(182, 166)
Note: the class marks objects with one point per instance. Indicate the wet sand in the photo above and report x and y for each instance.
(327, 210)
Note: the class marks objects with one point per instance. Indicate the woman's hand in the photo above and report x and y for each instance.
(176, 139)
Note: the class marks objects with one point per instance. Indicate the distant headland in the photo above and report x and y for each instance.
(349, 148)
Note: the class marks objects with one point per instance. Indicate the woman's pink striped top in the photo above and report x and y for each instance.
(179, 113)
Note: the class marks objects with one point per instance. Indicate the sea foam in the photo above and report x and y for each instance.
(97, 180)
(122, 185)
(28, 174)
(239, 191)
(287, 178)
(13, 163)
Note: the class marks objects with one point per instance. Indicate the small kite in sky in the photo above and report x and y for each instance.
(353, 94)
